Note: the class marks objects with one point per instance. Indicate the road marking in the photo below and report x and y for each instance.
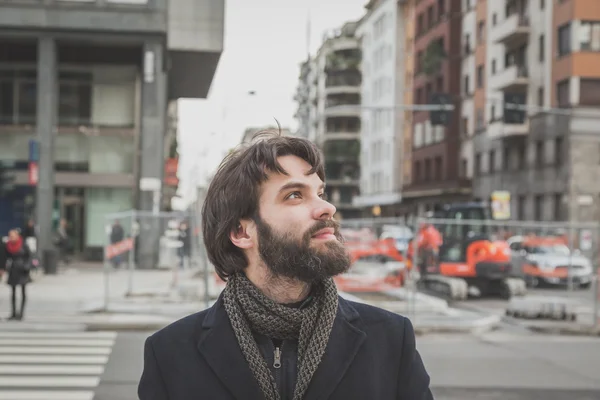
(55, 350)
(50, 381)
(57, 342)
(46, 395)
(17, 369)
(52, 359)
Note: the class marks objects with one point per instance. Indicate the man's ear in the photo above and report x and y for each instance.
(244, 234)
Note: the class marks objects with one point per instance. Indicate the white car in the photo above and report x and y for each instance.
(550, 263)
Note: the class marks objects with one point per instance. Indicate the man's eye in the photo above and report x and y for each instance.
(294, 195)
(323, 196)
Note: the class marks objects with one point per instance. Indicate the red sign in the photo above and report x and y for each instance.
(121, 247)
(33, 173)
(171, 166)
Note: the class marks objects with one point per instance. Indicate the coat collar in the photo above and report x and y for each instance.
(219, 346)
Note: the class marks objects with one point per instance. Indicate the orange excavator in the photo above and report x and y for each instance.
(458, 258)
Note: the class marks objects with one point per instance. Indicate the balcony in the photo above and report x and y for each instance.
(513, 78)
(500, 130)
(513, 31)
(343, 82)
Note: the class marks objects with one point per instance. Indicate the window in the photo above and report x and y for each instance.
(430, 17)
(492, 162)
(522, 157)
(557, 203)
(441, 4)
(564, 39)
(438, 168)
(506, 159)
(480, 124)
(494, 19)
(541, 53)
(539, 153)
(480, 76)
(481, 31)
(589, 92)
(493, 66)
(439, 84)
(563, 96)
(463, 168)
(540, 96)
(589, 36)
(542, 4)
(478, 164)
(466, 85)
(538, 208)
(18, 96)
(521, 207)
(558, 151)
(417, 172)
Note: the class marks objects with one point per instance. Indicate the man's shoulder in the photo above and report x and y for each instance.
(375, 316)
(181, 329)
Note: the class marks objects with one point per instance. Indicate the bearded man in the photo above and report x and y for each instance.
(279, 329)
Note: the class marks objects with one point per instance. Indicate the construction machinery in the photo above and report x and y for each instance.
(468, 262)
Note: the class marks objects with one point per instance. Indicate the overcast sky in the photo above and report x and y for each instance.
(265, 42)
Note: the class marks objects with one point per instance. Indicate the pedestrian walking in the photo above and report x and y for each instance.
(16, 259)
(117, 234)
(279, 329)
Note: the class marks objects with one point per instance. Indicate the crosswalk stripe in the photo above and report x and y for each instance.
(17, 369)
(56, 342)
(55, 350)
(52, 365)
(53, 359)
(49, 381)
(46, 395)
(59, 335)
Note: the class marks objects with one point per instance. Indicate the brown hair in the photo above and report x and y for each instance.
(234, 192)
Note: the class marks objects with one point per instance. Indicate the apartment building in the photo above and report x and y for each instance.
(335, 78)
(302, 97)
(385, 44)
(549, 51)
(436, 150)
(90, 80)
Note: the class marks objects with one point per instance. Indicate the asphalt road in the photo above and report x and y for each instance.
(507, 365)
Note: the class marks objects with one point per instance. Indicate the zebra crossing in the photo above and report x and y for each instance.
(52, 365)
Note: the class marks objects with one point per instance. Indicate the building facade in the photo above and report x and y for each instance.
(384, 42)
(334, 95)
(436, 150)
(302, 97)
(549, 164)
(89, 81)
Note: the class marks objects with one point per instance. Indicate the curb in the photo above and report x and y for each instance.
(479, 326)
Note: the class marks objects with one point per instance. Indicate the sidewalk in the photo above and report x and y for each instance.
(76, 299)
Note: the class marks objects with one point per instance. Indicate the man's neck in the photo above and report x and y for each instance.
(280, 290)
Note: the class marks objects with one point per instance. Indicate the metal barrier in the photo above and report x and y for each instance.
(152, 241)
(563, 255)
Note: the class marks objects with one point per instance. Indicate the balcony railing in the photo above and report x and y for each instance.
(512, 31)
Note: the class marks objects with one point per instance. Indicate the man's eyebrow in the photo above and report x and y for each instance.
(297, 185)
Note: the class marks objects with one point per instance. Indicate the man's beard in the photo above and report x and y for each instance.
(286, 256)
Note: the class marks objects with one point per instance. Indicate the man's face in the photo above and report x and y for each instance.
(297, 237)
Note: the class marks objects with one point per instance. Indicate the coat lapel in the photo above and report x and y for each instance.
(219, 347)
(344, 342)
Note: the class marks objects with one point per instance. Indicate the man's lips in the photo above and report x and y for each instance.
(324, 233)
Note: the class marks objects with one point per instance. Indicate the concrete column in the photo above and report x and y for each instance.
(47, 113)
(153, 126)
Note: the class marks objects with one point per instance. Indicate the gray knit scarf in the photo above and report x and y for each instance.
(249, 310)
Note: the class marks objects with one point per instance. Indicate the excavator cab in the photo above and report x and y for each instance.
(458, 236)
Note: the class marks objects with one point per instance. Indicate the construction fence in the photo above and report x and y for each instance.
(385, 268)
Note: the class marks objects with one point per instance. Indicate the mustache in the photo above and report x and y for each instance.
(323, 224)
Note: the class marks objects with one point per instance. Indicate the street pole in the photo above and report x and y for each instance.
(47, 111)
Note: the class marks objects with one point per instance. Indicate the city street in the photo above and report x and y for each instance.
(501, 365)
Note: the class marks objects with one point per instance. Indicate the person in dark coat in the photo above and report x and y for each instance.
(17, 260)
(279, 329)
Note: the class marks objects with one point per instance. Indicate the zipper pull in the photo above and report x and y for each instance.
(277, 362)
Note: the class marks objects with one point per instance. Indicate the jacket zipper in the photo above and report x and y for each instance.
(277, 357)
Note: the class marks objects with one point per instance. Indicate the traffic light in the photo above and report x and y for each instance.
(513, 108)
(7, 179)
(440, 117)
